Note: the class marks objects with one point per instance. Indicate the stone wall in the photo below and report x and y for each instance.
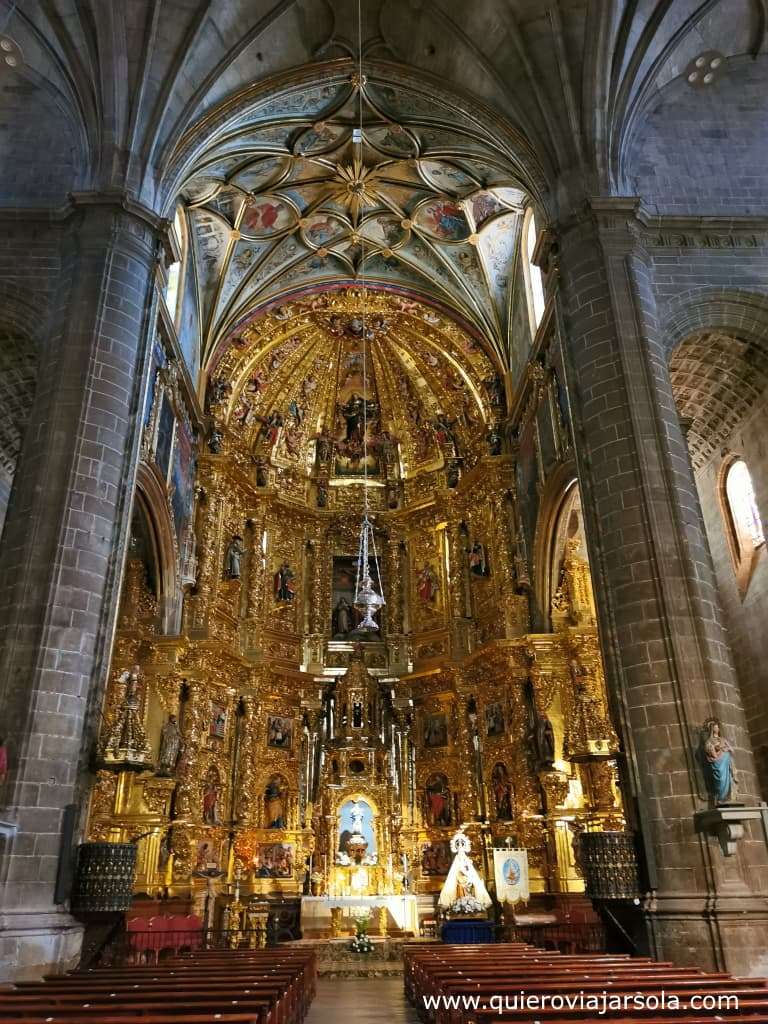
(703, 149)
(745, 615)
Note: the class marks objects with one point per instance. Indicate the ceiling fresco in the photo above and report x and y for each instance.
(297, 197)
(420, 392)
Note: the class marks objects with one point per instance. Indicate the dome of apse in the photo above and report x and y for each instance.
(301, 385)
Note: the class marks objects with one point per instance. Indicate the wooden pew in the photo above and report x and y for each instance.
(491, 975)
(234, 987)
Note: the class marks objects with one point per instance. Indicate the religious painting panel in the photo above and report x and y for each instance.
(183, 478)
(436, 858)
(218, 722)
(274, 860)
(207, 857)
(494, 719)
(435, 730)
(279, 732)
(345, 618)
(443, 219)
(165, 432)
(267, 216)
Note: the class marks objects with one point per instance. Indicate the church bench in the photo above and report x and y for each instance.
(470, 972)
(264, 987)
(269, 999)
(749, 1010)
(256, 1011)
(175, 1018)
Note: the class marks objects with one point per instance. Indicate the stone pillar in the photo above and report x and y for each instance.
(667, 658)
(62, 555)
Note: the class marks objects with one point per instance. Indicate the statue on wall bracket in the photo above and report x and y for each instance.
(716, 755)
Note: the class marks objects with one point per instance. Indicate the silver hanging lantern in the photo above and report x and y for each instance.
(368, 600)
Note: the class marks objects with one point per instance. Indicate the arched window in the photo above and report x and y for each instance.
(743, 521)
(175, 270)
(534, 284)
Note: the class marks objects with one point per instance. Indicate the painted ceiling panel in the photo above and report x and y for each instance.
(353, 180)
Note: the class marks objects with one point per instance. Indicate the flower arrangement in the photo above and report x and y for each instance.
(467, 906)
(361, 943)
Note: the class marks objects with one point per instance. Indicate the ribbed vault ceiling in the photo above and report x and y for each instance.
(426, 199)
(716, 380)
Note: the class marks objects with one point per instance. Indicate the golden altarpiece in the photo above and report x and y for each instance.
(254, 741)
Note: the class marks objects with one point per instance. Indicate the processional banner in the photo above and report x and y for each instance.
(511, 871)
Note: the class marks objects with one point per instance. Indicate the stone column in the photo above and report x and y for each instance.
(62, 555)
(667, 658)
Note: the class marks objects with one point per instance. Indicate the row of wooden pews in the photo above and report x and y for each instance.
(273, 986)
(481, 984)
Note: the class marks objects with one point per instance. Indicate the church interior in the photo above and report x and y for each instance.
(382, 490)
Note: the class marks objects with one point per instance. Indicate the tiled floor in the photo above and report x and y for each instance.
(362, 1000)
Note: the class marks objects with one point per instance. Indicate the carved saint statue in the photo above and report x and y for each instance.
(545, 741)
(211, 793)
(438, 801)
(478, 563)
(502, 792)
(717, 762)
(233, 561)
(284, 583)
(170, 747)
(274, 803)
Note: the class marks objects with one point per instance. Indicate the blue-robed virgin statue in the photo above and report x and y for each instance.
(717, 762)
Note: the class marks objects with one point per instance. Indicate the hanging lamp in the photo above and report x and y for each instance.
(368, 597)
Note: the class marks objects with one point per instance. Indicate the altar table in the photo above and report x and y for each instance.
(402, 913)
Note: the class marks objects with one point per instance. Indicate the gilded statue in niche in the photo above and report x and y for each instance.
(234, 558)
(275, 803)
(170, 747)
(284, 583)
(478, 561)
(212, 797)
(437, 808)
(502, 792)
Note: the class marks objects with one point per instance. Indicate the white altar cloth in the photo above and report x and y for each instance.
(402, 913)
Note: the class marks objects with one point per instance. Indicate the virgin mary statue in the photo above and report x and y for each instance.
(463, 879)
